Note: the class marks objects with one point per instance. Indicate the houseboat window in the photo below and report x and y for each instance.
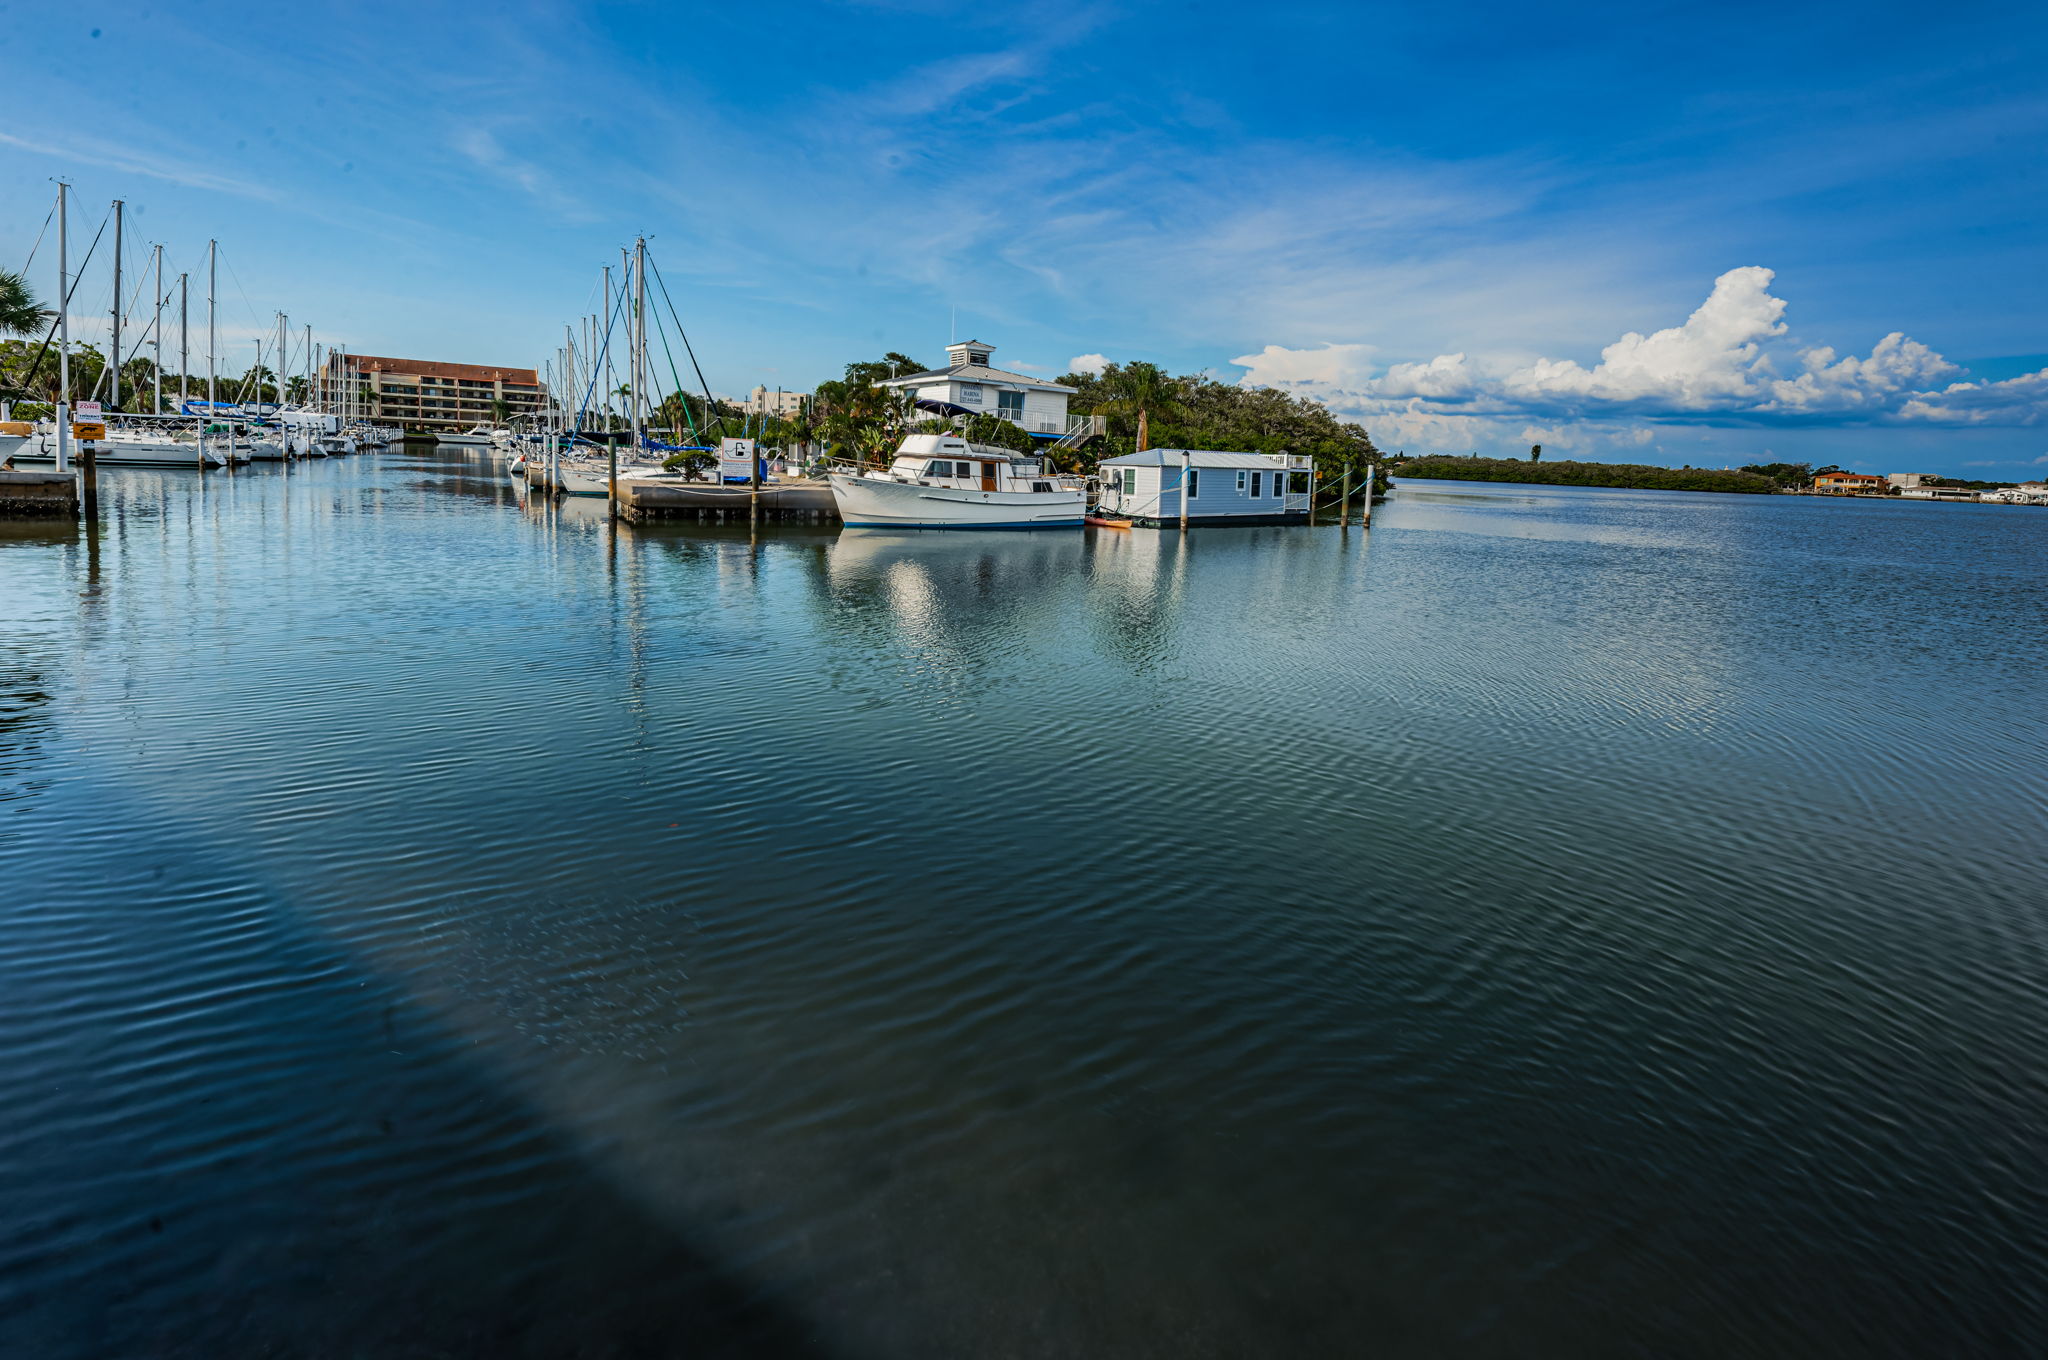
(1194, 484)
(1258, 488)
(1130, 481)
(938, 469)
(1041, 486)
(1240, 483)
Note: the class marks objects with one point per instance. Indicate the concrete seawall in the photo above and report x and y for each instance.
(38, 494)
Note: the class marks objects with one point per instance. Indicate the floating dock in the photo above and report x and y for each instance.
(789, 500)
(38, 494)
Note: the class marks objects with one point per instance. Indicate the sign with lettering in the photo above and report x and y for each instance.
(86, 410)
(736, 459)
(88, 429)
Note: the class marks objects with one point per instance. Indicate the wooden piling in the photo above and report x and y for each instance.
(89, 480)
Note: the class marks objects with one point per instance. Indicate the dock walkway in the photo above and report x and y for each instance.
(38, 494)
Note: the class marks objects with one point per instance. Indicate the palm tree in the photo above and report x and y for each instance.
(1140, 389)
(20, 313)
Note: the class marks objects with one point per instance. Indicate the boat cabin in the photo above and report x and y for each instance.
(1221, 488)
(950, 461)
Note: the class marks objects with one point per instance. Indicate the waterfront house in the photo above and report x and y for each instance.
(971, 385)
(1927, 492)
(2026, 493)
(1849, 484)
(1222, 488)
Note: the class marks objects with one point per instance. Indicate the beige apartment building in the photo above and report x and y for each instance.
(422, 394)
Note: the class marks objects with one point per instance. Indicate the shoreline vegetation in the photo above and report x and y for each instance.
(1633, 476)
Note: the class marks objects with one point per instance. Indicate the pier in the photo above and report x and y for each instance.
(38, 494)
(805, 502)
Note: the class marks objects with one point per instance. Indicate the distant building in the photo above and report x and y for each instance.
(424, 394)
(1848, 484)
(762, 402)
(970, 385)
(1938, 493)
(1902, 480)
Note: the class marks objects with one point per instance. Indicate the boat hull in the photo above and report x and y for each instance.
(124, 453)
(882, 503)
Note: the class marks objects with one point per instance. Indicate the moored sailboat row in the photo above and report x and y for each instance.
(171, 430)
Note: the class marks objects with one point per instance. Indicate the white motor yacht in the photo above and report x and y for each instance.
(479, 437)
(940, 481)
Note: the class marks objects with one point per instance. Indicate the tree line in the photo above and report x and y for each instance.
(1638, 476)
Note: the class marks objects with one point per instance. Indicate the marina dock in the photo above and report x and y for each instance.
(38, 494)
(801, 501)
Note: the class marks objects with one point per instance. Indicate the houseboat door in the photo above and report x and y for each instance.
(988, 476)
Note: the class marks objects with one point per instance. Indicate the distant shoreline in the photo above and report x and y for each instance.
(1626, 476)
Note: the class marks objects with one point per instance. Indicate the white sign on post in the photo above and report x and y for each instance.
(86, 411)
(736, 459)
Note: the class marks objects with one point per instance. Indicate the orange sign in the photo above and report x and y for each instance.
(88, 429)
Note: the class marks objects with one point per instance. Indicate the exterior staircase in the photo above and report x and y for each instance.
(1084, 429)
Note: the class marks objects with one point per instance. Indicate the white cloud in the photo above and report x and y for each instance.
(1332, 365)
(2016, 401)
(1087, 363)
(1709, 361)
(1724, 365)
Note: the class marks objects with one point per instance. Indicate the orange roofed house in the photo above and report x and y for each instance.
(1848, 483)
(425, 395)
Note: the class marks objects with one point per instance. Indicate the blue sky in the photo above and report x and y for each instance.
(1677, 234)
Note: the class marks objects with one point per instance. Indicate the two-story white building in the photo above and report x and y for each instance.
(969, 386)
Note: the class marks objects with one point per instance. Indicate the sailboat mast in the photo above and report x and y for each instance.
(639, 378)
(114, 391)
(184, 341)
(212, 281)
(157, 329)
(63, 327)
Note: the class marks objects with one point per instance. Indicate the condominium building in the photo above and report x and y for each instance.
(763, 402)
(422, 394)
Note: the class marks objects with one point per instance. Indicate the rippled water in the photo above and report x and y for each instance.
(1564, 923)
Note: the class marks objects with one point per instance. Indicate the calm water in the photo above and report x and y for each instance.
(1570, 923)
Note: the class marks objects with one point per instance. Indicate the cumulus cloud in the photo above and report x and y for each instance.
(1339, 366)
(1087, 363)
(1729, 363)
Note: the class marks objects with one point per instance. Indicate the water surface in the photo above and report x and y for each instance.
(1559, 923)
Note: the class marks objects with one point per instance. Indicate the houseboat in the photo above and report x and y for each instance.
(1221, 488)
(940, 481)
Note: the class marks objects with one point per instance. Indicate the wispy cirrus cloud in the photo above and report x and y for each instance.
(171, 168)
